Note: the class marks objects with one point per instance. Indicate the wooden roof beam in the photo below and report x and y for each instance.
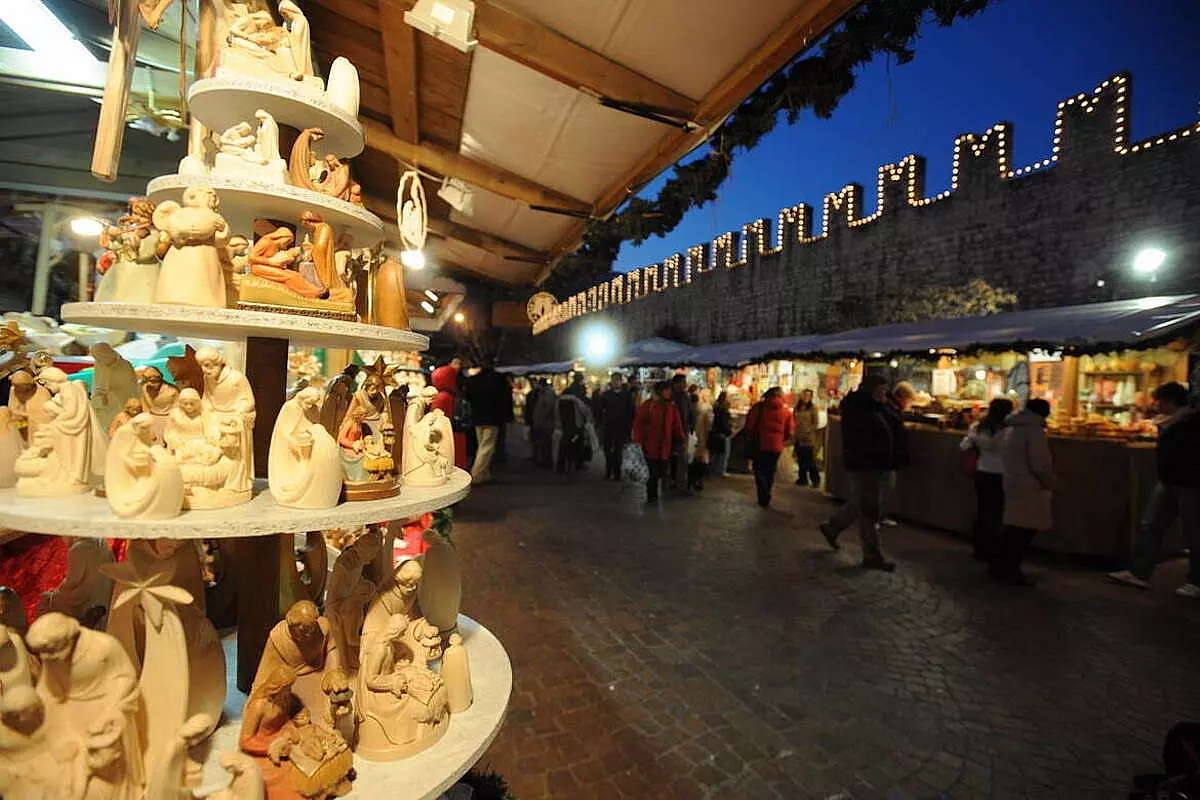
(400, 58)
(455, 165)
(530, 43)
(386, 209)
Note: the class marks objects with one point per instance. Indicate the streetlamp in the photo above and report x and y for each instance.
(1148, 260)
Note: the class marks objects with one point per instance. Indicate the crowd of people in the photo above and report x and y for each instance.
(682, 436)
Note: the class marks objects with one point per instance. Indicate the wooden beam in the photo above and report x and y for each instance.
(400, 58)
(455, 165)
(802, 31)
(444, 228)
(530, 43)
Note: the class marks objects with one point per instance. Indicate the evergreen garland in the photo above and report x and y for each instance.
(817, 82)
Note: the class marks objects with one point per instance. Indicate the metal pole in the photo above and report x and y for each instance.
(41, 270)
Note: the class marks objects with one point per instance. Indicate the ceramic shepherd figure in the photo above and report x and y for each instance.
(304, 467)
(113, 382)
(67, 454)
(302, 642)
(192, 271)
(141, 479)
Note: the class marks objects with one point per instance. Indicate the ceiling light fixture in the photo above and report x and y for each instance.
(413, 259)
(458, 195)
(451, 21)
(45, 33)
(432, 295)
(425, 304)
(86, 226)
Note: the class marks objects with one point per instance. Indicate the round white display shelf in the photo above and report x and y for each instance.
(223, 102)
(429, 773)
(234, 324)
(88, 515)
(253, 198)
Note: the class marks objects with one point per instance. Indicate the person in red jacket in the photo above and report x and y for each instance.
(445, 380)
(658, 430)
(769, 427)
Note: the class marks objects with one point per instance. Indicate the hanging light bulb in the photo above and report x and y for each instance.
(413, 259)
(428, 306)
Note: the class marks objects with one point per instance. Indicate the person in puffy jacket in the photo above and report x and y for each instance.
(808, 424)
(874, 444)
(445, 380)
(1028, 490)
(771, 426)
(658, 430)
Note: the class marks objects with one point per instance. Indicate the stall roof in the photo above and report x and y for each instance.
(1140, 322)
(547, 368)
(654, 351)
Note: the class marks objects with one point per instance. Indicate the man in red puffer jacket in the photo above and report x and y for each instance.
(445, 380)
(658, 429)
(769, 427)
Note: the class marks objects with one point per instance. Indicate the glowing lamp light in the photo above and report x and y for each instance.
(599, 343)
(460, 316)
(893, 363)
(413, 259)
(1148, 260)
(428, 306)
(86, 226)
(432, 295)
(980, 374)
(45, 33)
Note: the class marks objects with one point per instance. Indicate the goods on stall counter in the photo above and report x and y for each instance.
(130, 267)
(141, 479)
(66, 454)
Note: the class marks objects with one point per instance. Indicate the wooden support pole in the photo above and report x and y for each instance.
(110, 131)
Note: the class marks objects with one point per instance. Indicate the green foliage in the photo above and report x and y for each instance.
(817, 83)
(976, 298)
(442, 525)
(488, 785)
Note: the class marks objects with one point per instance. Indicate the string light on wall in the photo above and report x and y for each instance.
(678, 270)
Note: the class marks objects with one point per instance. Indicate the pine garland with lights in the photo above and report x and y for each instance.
(817, 83)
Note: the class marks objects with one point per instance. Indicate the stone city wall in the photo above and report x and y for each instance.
(1059, 232)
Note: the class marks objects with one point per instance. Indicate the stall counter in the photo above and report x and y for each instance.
(1103, 486)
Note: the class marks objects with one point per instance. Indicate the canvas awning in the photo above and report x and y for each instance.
(1141, 322)
(547, 368)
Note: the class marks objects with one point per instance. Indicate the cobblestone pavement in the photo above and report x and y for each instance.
(707, 648)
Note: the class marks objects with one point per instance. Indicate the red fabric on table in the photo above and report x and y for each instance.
(37, 563)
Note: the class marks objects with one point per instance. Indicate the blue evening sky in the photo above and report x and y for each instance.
(1015, 61)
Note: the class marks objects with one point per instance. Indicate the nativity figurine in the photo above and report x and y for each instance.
(247, 150)
(328, 174)
(187, 436)
(302, 642)
(402, 705)
(428, 443)
(132, 407)
(90, 688)
(389, 302)
(256, 46)
(129, 270)
(141, 479)
(192, 270)
(284, 277)
(228, 401)
(11, 447)
(456, 672)
(66, 455)
(347, 594)
(113, 383)
(85, 590)
(314, 759)
(27, 402)
(304, 467)
(342, 88)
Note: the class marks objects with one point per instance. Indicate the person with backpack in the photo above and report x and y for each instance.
(658, 430)
(984, 443)
(1176, 494)
(874, 444)
(769, 427)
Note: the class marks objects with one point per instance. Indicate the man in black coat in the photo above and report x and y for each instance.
(874, 443)
(491, 407)
(1177, 493)
(614, 414)
(683, 404)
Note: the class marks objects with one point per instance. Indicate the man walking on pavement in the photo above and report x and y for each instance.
(683, 404)
(491, 407)
(873, 444)
(614, 415)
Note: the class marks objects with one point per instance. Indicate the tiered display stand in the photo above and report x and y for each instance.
(254, 533)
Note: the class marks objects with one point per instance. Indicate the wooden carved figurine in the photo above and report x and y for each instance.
(85, 590)
(130, 267)
(228, 405)
(389, 302)
(304, 466)
(456, 672)
(27, 402)
(302, 642)
(342, 87)
(131, 409)
(323, 258)
(158, 398)
(66, 455)
(347, 595)
(91, 693)
(187, 435)
(192, 271)
(11, 447)
(328, 175)
(268, 709)
(141, 479)
(402, 704)
(428, 443)
(314, 759)
(15, 664)
(113, 382)
(12, 611)
(338, 394)
(365, 438)
(283, 277)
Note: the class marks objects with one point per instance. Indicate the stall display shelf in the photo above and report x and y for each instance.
(88, 515)
(425, 775)
(225, 101)
(233, 324)
(255, 198)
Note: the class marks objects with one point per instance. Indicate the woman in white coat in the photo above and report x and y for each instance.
(1028, 487)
